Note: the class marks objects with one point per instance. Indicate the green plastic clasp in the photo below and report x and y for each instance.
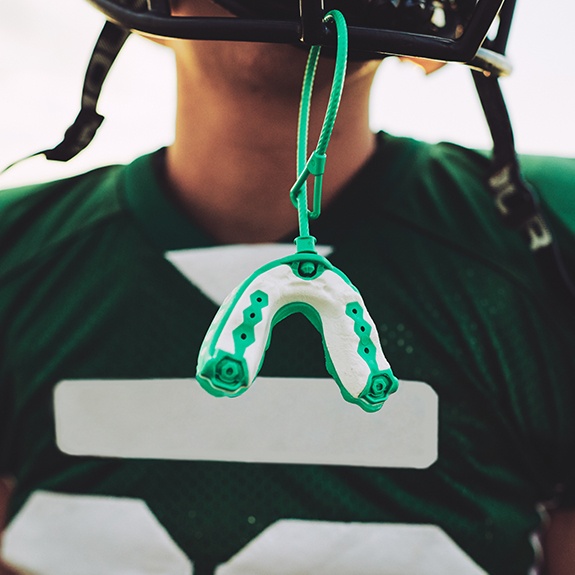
(315, 166)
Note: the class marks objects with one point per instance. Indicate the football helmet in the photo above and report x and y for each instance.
(444, 30)
(447, 30)
(473, 32)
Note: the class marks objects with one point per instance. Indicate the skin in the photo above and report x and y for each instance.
(559, 543)
(232, 162)
(6, 486)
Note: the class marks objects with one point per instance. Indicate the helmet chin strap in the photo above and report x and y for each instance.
(110, 41)
(515, 200)
(79, 135)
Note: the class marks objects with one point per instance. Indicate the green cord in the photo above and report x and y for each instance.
(315, 164)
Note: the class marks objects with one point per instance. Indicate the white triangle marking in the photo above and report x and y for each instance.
(281, 420)
(217, 271)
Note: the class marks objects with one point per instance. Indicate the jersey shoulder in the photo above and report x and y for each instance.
(439, 186)
(554, 182)
(35, 219)
(440, 193)
(453, 176)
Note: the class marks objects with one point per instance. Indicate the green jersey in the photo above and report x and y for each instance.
(124, 464)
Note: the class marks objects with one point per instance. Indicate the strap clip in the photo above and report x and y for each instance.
(515, 201)
(315, 166)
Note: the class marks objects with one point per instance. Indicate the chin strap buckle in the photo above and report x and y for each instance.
(517, 204)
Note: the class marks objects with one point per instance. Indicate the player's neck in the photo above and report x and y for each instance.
(232, 163)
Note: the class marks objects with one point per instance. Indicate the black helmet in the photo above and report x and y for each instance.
(445, 18)
(448, 30)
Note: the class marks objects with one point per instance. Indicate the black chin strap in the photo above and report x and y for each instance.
(86, 124)
(84, 128)
(514, 199)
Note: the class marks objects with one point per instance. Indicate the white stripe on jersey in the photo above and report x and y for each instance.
(280, 420)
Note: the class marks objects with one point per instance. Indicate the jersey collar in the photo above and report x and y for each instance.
(156, 213)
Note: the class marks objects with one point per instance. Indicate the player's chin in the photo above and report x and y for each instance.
(205, 8)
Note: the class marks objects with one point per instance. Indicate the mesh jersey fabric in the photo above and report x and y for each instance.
(86, 292)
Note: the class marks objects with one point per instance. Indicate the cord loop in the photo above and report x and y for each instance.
(315, 164)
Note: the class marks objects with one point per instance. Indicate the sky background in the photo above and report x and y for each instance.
(45, 46)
